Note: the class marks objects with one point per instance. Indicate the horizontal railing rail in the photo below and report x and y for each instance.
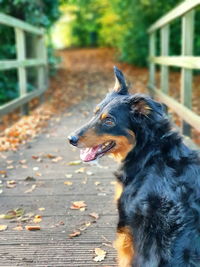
(186, 61)
(39, 61)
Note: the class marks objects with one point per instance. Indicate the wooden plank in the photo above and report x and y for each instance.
(188, 62)
(152, 53)
(13, 64)
(165, 52)
(21, 55)
(184, 113)
(19, 101)
(186, 74)
(13, 22)
(42, 70)
(178, 11)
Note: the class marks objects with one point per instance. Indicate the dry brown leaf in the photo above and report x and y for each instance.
(3, 227)
(32, 227)
(31, 189)
(94, 215)
(74, 234)
(77, 205)
(100, 254)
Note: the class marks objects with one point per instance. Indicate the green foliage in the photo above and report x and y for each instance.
(121, 24)
(40, 13)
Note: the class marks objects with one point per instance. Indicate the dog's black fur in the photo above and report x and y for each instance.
(161, 182)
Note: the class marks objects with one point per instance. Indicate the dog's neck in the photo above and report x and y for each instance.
(166, 149)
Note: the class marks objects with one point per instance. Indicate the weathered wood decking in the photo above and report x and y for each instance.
(51, 245)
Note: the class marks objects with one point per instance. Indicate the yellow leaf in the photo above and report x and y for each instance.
(3, 227)
(100, 254)
(68, 183)
(75, 162)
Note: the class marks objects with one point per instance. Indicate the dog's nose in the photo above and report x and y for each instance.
(73, 139)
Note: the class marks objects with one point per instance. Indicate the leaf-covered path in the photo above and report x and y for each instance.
(71, 206)
(41, 189)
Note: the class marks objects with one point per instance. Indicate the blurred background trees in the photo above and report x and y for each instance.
(88, 23)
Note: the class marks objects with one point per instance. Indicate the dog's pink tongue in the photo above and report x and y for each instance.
(88, 154)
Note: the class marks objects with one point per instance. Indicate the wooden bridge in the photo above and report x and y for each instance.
(42, 182)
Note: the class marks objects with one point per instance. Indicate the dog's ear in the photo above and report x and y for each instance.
(140, 106)
(120, 82)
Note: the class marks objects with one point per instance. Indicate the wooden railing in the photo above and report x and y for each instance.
(187, 62)
(21, 63)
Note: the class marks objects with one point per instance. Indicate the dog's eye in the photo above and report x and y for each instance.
(109, 121)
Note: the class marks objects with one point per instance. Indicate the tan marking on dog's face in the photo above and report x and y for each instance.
(124, 246)
(103, 116)
(119, 152)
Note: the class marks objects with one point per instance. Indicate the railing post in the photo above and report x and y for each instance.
(186, 74)
(21, 55)
(164, 37)
(152, 53)
(41, 53)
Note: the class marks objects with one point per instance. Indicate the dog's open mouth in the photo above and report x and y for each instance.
(92, 153)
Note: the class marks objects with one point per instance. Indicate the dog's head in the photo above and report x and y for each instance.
(118, 123)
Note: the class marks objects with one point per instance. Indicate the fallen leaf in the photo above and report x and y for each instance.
(68, 183)
(38, 174)
(32, 227)
(3, 172)
(50, 156)
(23, 161)
(41, 209)
(31, 189)
(75, 162)
(100, 254)
(77, 205)
(57, 159)
(113, 182)
(35, 157)
(24, 167)
(97, 183)
(18, 228)
(89, 173)
(85, 226)
(10, 167)
(37, 219)
(11, 184)
(81, 170)
(30, 179)
(3, 227)
(94, 215)
(74, 234)
(68, 175)
(12, 214)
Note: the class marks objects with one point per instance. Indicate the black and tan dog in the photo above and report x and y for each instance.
(159, 179)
